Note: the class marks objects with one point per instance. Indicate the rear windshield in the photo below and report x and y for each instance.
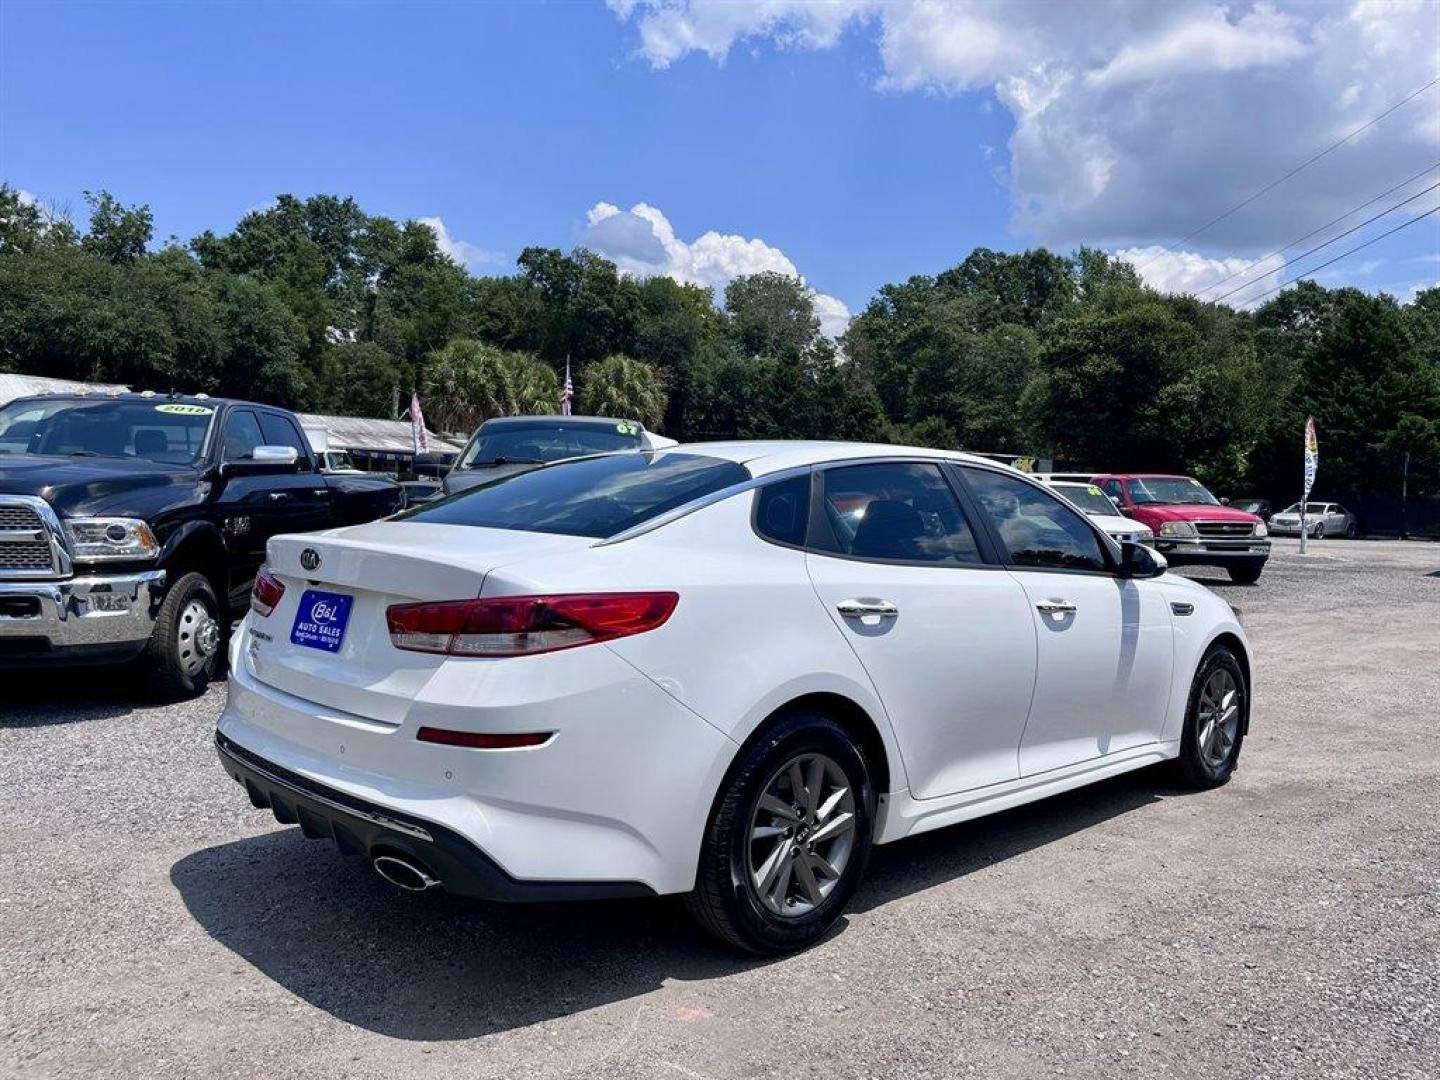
(598, 497)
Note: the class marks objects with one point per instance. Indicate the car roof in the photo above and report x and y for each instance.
(148, 395)
(570, 421)
(762, 456)
(1142, 476)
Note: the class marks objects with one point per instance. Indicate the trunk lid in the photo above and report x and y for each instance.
(338, 585)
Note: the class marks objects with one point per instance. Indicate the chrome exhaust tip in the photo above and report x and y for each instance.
(410, 876)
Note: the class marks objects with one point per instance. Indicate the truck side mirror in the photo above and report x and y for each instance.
(264, 459)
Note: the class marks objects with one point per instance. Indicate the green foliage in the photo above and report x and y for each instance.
(625, 388)
(468, 382)
(315, 304)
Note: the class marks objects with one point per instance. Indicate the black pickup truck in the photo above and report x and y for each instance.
(132, 525)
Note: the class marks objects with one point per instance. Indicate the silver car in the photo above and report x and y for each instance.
(1321, 519)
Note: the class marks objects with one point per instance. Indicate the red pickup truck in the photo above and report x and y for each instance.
(1191, 526)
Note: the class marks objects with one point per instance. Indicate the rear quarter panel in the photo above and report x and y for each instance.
(749, 633)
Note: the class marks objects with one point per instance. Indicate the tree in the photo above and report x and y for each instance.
(360, 379)
(468, 382)
(118, 233)
(625, 388)
(771, 314)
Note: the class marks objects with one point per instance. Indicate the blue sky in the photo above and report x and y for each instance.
(854, 143)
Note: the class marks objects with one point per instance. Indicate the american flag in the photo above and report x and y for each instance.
(568, 394)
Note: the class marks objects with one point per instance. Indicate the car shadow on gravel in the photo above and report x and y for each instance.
(48, 696)
(436, 967)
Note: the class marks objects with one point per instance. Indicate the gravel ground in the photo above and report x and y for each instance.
(1287, 925)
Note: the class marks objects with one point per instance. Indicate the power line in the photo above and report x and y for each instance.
(1298, 168)
(1341, 236)
(1313, 232)
(1344, 254)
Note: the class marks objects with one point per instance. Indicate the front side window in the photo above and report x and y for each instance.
(896, 512)
(242, 435)
(599, 497)
(169, 432)
(782, 510)
(279, 431)
(1036, 528)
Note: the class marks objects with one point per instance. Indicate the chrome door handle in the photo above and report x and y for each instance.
(278, 496)
(859, 608)
(1055, 607)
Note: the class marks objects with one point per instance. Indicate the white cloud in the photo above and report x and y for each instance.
(1135, 121)
(26, 198)
(463, 252)
(642, 242)
(1191, 272)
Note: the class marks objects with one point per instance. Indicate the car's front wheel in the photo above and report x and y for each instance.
(1215, 721)
(1245, 573)
(788, 838)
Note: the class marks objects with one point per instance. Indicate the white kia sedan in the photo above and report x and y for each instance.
(724, 670)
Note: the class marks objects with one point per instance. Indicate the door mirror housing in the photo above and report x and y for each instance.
(264, 459)
(1139, 561)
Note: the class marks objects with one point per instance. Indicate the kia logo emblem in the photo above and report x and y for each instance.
(310, 559)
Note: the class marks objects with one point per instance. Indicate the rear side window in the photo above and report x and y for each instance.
(597, 497)
(782, 510)
(896, 512)
(1036, 528)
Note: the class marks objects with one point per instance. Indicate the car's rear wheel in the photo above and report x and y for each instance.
(1215, 720)
(788, 838)
(1350, 531)
(186, 646)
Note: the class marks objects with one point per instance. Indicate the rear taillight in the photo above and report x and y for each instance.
(525, 625)
(267, 592)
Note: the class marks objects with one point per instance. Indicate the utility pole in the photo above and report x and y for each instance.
(1404, 495)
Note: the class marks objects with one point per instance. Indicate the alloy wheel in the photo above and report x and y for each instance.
(801, 836)
(1218, 718)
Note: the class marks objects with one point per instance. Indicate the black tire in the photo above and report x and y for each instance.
(1350, 531)
(1319, 533)
(1194, 767)
(1245, 573)
(725, 901)
(169, 661)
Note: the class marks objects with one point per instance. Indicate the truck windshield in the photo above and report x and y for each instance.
(545, 441)
(169, 432)
(597, 496)
(1170, 489)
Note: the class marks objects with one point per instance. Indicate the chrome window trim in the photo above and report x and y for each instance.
(686, 509)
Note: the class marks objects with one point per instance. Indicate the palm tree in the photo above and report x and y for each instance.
(625, 388)
(469, 381)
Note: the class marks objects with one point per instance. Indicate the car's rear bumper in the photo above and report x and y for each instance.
(97, 618)
(363, 828)
(620, 792)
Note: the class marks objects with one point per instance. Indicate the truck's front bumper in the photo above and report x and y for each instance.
(1209, 551)
(78, 620)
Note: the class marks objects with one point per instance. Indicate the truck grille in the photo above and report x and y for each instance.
(26, 545)
(1224, 528)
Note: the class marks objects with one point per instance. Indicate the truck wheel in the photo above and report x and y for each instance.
(1246, 573)
(185, 648)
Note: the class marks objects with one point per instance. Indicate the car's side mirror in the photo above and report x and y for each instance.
(1139, 561)
(264, 459)
(1224, 500)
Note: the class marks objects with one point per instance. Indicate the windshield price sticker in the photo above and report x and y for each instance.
(177, 409)
(1095, 490)
(627, 428)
